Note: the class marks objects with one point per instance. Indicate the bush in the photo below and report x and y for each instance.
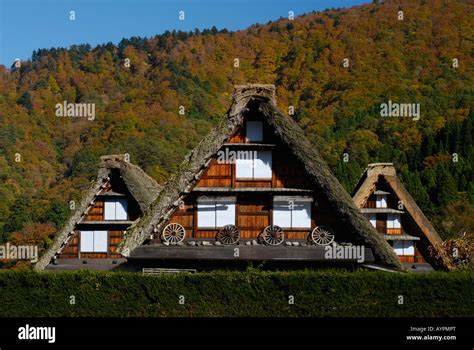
(242, 294)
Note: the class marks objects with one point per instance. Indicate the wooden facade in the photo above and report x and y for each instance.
(95, 221)
(254, 197)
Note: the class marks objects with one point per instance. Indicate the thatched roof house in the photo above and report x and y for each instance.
(285, 129)
(383, 175)
(141, 186)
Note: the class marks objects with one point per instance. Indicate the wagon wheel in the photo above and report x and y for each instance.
(322, 235)
(273, 235)
(229, 234)
(173, 233)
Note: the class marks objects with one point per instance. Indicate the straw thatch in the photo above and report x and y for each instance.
(290, 134)
(141, 186)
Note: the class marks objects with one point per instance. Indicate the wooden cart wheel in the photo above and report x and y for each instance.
(229, 234)
(322, 235)
(173, 233)
(273, 235)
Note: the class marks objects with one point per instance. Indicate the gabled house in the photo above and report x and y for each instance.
(392, 211)
(254, 189)
(118, 197)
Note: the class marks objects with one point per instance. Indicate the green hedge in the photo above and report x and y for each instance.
(252, 293)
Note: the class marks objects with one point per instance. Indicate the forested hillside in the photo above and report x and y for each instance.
(46, 161)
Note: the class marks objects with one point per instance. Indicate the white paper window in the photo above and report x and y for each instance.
(225, 212)
(254, 165)
(93, 241)
(409, 248)
(373, 219)
(292, 212)
(393, 220)
(87, 241)
(100, 241)
(115, 209)
(254, 131)
(206, 214)
(216, 212)
(381, 201)
(263, 165)
(404, 247)
(244, 168)
(301, 215)
(281, 214)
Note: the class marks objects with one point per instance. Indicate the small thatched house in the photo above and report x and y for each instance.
(392, 211)
(119, 196)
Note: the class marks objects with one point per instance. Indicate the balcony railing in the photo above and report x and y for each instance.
(390, 231)
(394, 231)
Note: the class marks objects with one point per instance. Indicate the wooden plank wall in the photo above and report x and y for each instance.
(184, 216)
(95, 212)
(217, 175)
(253, 215)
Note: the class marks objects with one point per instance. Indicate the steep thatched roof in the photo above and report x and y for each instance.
(291, 134)
(367, 185)
(141, 186)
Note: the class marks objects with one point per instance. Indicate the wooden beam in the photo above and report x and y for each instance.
(251, 189)
(245, 253)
